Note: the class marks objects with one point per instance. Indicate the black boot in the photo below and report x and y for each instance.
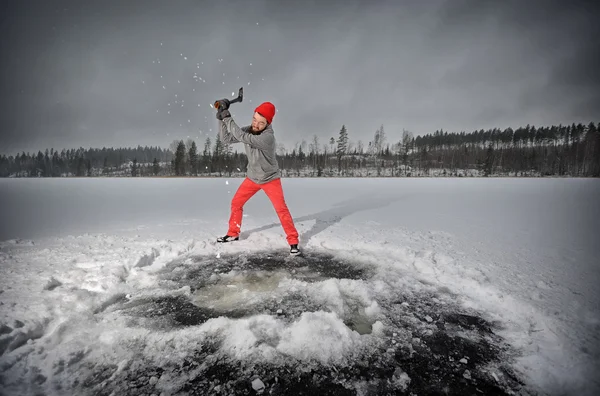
(294, 251)
(227, 238)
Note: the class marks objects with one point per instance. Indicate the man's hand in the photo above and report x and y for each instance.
(222, 114)
(223, 104)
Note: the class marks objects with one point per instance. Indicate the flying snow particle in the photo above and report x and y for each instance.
(169, 112)
(189, 121)
(143, 82)
(161, 44)
(168, 104)
(198, 104)
(223, 74)
(164, 87)
(211, 106)
(185, 57)
(250, 64)
(226, 181)
(223, 82)
(178, 82)
(194, 89)
(248, 82)
(161, 76)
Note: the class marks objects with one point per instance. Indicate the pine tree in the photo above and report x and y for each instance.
(193, 158)
(180, 159)
(206, 155)
(217, 157)
(134, 168)
(39, 165)
(342, 146)
(489, 161)
(155, 167)
(594, 142)
(379, 140)
(47, 164)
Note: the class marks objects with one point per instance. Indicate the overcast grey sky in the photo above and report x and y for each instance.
(91, 73)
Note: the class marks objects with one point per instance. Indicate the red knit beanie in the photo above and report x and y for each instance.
(267, 110)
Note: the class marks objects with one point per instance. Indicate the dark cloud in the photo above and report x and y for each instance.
(88, 73)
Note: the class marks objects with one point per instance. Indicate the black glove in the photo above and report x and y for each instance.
(222, 114)
(223, 104)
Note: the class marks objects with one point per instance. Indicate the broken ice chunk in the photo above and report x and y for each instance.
(258, 385)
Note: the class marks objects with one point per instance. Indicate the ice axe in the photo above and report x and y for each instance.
(239, 98)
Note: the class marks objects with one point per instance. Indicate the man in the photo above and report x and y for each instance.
(263, 170)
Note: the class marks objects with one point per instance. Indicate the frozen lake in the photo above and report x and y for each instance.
(520, 253)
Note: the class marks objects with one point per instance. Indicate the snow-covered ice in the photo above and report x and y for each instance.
(116, 286)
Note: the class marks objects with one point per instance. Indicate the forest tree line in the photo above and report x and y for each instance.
(569, 150)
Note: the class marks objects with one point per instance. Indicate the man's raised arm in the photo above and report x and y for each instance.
(225, 136)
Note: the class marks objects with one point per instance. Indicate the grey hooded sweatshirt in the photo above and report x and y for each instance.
(260, 149)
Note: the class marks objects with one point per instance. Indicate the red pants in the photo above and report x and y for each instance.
(275, 193)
